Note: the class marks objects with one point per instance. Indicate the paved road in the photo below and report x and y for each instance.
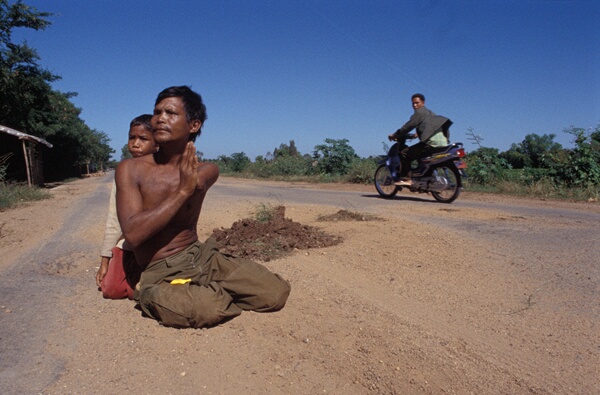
(228, 188)
(565, 233)
(33, 294)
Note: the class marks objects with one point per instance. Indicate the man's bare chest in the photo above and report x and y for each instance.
(158, 185)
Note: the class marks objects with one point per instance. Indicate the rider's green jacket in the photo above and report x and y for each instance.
(427, 124)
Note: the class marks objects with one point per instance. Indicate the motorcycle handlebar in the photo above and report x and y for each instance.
(391, 137)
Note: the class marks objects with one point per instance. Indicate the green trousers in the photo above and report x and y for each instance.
(220, 286)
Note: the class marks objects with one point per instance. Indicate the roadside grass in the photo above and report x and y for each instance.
(309, 178)
(265, 212)
(11, 194)
(543, 189)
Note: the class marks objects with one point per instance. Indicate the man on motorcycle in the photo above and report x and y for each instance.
(432, 130)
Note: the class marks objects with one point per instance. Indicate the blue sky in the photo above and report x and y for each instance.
(275, 71)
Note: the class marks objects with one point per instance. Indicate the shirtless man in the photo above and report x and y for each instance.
(184, 283)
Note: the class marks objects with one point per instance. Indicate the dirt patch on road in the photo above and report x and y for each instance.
(273, 237)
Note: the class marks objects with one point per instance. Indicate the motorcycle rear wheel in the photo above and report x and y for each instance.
(451, 177)
(384, 182)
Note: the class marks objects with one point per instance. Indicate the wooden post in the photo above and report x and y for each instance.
(26, 162)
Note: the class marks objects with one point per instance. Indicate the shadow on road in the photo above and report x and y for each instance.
(400, 198)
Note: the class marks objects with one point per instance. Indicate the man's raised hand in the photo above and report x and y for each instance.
(188, 180)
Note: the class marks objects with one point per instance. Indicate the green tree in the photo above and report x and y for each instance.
(239, 162)
(485, 152)
(24, 84)
(286, 150)
(581, 168)
(334, 157)
(75, 145)
(29, 104)
(595, 139)
(125, 154)
(97, 153)
(515, 157)
(538, 150)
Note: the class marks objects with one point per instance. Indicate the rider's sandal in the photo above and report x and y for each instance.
(403, 183)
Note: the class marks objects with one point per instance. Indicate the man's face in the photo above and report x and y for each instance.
(141, 141)
(417, 103)
(170, 121)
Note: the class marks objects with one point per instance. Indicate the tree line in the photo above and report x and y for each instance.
(540, 161)
(29, 104)
(536, 166)
(331, 161)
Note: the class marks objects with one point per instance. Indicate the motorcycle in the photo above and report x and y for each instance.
(439, 173)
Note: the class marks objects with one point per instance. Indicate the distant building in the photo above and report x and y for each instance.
(22, 155)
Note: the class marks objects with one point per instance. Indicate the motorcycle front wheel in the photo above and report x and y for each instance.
(447, 174)
(384, 182)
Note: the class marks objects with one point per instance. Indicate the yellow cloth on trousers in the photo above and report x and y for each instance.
(179, 281)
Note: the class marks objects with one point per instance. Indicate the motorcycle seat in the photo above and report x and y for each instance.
(441, 150)
(436, 153)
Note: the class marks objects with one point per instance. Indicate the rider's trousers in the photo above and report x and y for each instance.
(408, 154)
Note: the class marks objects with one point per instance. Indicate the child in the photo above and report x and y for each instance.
(118, 272)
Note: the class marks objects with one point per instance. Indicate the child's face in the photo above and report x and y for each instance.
(141, 142)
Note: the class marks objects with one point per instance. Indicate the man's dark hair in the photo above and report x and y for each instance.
(419, 95)
(192, 102)
(142, 120)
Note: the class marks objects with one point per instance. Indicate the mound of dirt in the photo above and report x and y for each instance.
(272, 239)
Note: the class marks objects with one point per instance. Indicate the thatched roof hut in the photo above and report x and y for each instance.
(32, 156)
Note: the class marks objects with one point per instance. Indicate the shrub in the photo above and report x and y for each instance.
(3, 166)
(581, 168)
(486, 170)
(361, 171)
(291, 166)
(334, 157)
(530, 176)
(13, 193)
(260, 169)
(264, 212)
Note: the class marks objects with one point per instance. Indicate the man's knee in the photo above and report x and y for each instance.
(157, 302)
(275, 296)
(185, 306)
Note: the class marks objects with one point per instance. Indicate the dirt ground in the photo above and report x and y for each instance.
(369, 312)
